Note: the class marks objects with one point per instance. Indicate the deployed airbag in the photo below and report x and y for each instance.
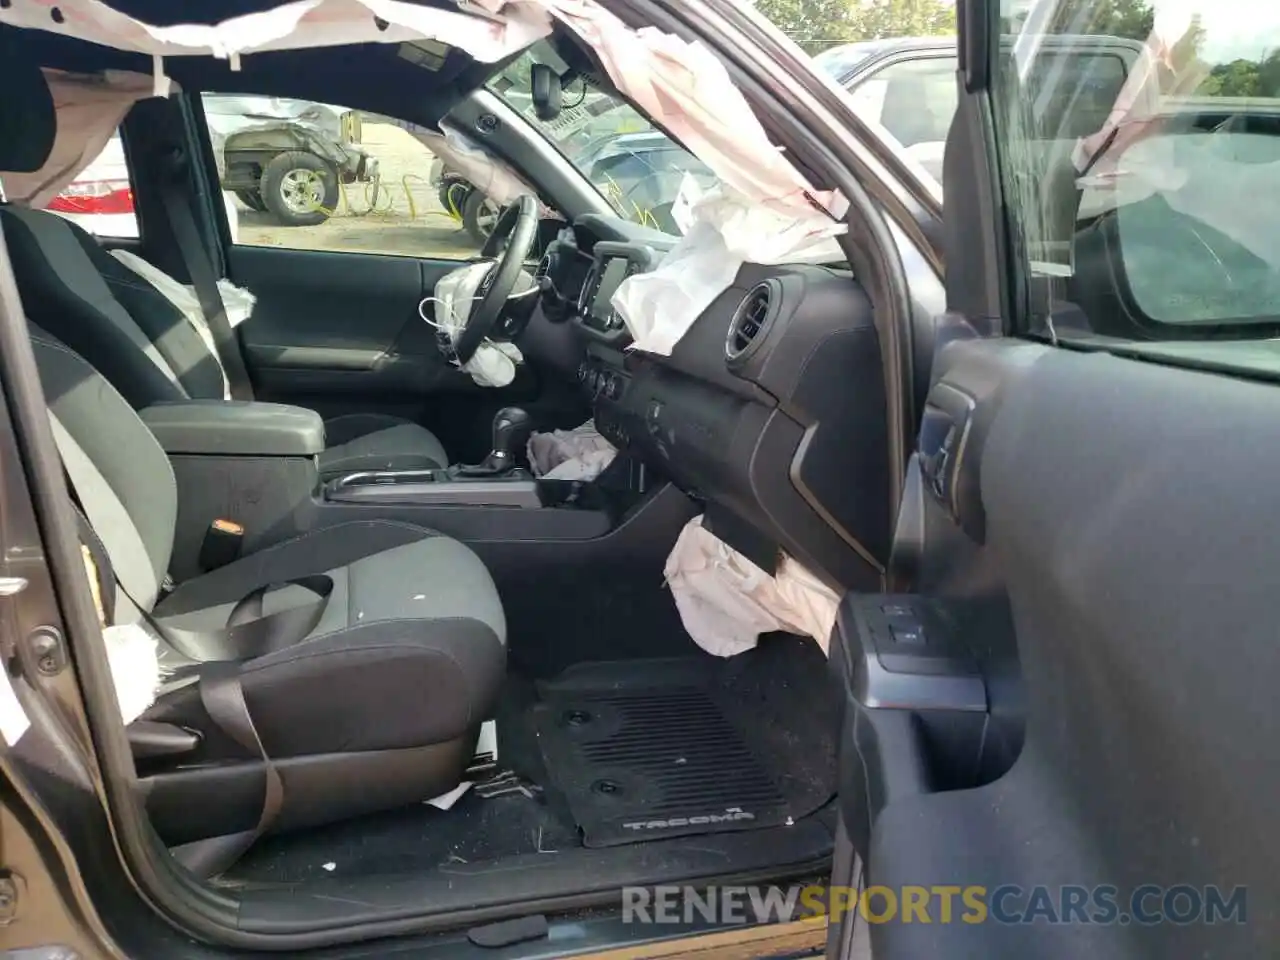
(726, 601)
(238, 302)
(577, 454)
(493, 364)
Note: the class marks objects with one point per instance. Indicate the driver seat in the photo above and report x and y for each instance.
(136, 338)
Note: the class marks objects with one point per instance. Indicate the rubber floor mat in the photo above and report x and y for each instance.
(649, 764)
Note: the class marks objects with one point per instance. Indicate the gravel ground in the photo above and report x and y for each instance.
(405, 217)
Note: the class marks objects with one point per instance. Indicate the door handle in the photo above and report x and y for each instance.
(941, 443)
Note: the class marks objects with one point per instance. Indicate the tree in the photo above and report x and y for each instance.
(1239, 78)
(1244, 78)
(813, 24)
(1113, 18)
(818, 24)
(876, 19)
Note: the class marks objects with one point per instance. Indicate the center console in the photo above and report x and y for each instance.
(255, 465)
(495, 481)
(430, 487)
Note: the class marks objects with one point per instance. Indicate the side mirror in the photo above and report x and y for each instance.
(548, 98)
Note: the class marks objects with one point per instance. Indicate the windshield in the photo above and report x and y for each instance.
(634, 165)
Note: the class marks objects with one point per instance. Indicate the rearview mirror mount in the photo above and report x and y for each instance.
(548, 94)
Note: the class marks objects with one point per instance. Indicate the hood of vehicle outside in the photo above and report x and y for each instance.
(227, 115)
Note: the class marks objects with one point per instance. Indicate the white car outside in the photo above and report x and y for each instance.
(100, 198)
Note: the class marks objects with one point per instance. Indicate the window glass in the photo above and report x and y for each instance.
(313, 176)
(914, 101)
(1073, 92)
(919, 99)
(100, 198)
(635, 166)
(1139, 144)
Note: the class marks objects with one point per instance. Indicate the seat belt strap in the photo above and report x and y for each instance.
(248, 632)
(199, 265)
(222, 696)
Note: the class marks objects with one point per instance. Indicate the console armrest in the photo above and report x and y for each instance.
(235, 428)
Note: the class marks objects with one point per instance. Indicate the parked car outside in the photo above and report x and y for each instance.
(100, 198)
(287, 157)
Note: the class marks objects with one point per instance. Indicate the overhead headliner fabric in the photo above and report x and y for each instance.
(681, 85)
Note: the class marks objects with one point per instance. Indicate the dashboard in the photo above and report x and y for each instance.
(770, 410)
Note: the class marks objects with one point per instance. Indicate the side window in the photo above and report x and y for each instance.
(915, 101)
(100, 198)
(1072, 93)
(314, 176)
(1138, 158)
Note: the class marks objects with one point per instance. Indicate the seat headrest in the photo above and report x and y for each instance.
(28, 121)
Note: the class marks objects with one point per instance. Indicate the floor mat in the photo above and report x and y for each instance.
(777, 698)
(649, 750)
(420, 839)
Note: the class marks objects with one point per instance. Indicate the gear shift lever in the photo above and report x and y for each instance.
(511, 429)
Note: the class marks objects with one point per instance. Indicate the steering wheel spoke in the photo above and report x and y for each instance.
(509, 247)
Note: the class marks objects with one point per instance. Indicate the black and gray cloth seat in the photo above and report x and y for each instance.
(151, 353)
(376, 705)
(134, 336)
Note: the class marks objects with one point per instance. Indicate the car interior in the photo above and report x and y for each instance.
(407, 599)
(410, 682)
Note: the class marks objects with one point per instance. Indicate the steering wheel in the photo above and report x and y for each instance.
(517, 226)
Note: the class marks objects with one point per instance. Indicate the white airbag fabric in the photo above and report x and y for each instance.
(290, 26)
(493, 364)
(725, 232)
(132, 654)
(238, 302)
(578, 454)
(726, 601)
(496, 179)
(135, 668)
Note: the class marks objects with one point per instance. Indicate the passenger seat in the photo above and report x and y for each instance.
(375, 703)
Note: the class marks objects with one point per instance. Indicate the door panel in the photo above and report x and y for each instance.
(1130, 530)
(341, 333)
(341, 314)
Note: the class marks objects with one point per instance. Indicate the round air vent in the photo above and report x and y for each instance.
(750, 323)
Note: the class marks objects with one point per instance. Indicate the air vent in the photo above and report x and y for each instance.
(750, 322)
